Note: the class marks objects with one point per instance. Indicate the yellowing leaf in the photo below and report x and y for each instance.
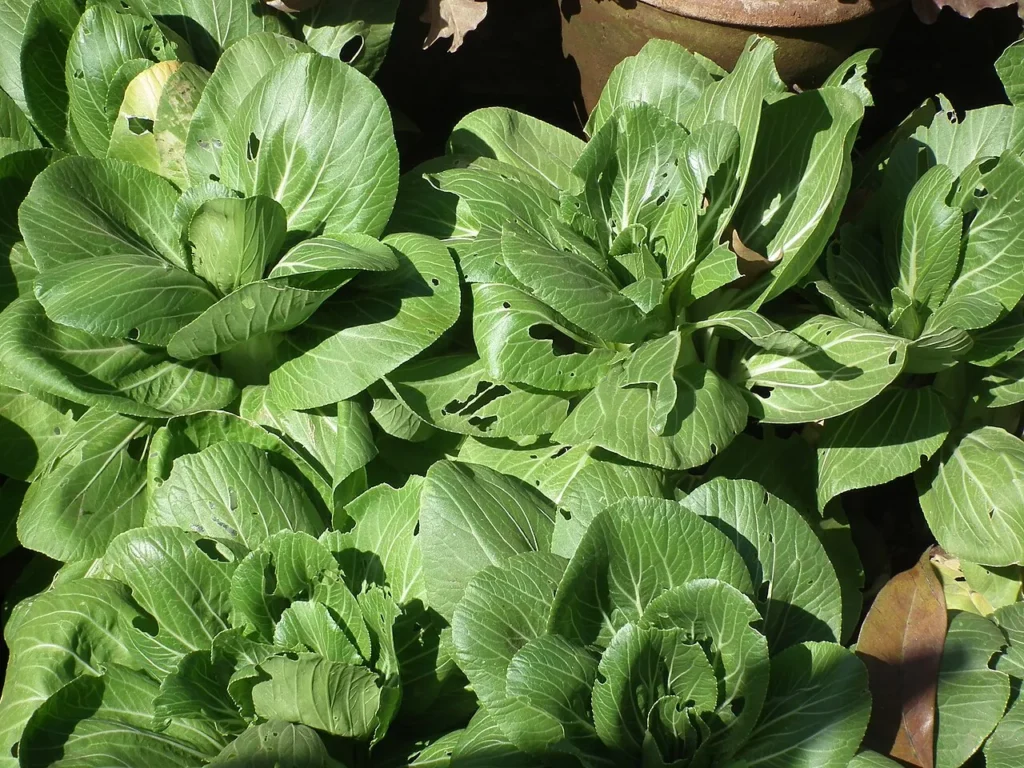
(454, 19)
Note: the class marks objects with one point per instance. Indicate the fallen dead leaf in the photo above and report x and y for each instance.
(454, 19)
(928, 10)
(901, 644)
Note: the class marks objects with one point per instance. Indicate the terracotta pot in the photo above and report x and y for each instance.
(814, 36)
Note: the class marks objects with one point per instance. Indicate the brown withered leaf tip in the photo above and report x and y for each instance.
(901, 644)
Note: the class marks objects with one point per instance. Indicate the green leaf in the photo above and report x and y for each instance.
(178, 103)
(49, 28)
(645, 671)
(1003, 385)
(850, 367)
(857, 271)
(456, 394)
(629, 170)
(337, 438)
(991, 277)
(971, 496)
(803, 598)
(64, 633)
(94, 721)
(759, 330)
(715, 271)
(356, 31)
(574, 287)
(853, 73)
(12, 493)
(211, 28)
(241, 67)
(720, 617)
(738, 100)
(999, 342)
(107, 37)
(197, 689)
(971, 696)
(984, 133)
(1010, 67)
(800, 176)
(549, 685)
(1005, 747)
(580, 480)
(233, 491)
(80, 209)
(234, 241)
(663, 74)
(484, 745)
(276, 743)
(181, 580)
(707, 414)
(816, 711)
(49, 359)
(887, 438)
(502, 609)
(519, 140)
(91, 489)
(339, 699)
(472, 517)
(12, 31)
(632, 552)
(348, 178)
(133, 138)
(930, 248)
(14, 125)
(523, 340)
(134, 297)
(287, 567)
(380, 322)
(30, 430)
(382, 547)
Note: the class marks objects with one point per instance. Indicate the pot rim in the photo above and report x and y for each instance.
(783, 14)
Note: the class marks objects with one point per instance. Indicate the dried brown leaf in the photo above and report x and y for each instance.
(928, 10)
(454, 19)
(901, 644)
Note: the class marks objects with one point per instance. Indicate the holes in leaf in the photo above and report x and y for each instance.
(435, 282)
(225, 527)
(486, 392)
(252, 149)
(133, 334)
(561, 343)
(484, 423)
(56, 431)
(661, 200)
(214, 177)
(125, 5)
(893, 357)
(136, 448)
(506, 305)
(14, 749)
(352, 49)
(416, 530)
(762, 592)
(737, 705)
(212, 550)
(79, 74)
(765, 499)
(561, 452)
(714, 449)
(146, 624)
(761, 391)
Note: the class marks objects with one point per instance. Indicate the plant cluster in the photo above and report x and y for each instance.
(532, 456)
